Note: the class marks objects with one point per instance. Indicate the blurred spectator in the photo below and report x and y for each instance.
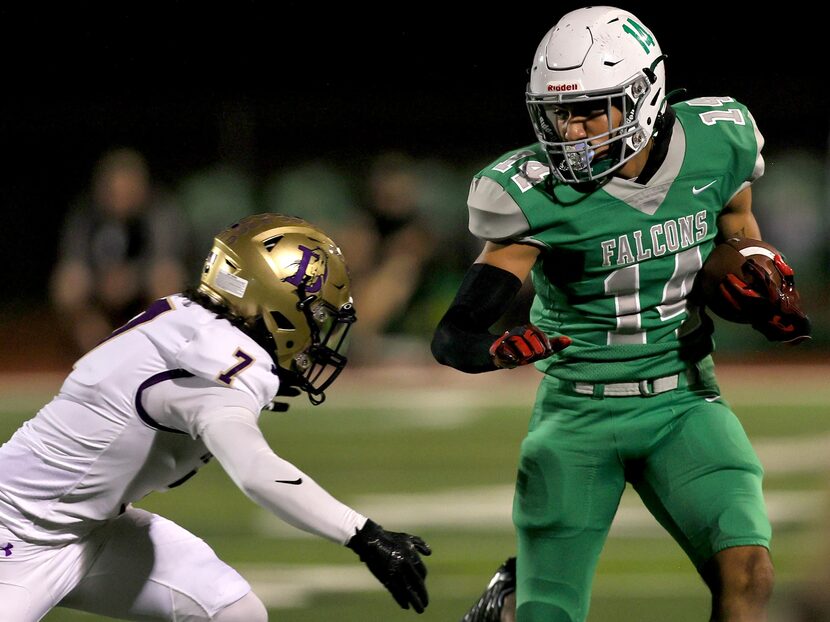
(406, 240)
(212, 200)
(321, 194)
(122, 245)
(397, 222)
(442, 194)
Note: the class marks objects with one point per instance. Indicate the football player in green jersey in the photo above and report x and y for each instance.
(612, 213)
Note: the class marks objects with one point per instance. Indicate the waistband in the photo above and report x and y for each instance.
(642, 388)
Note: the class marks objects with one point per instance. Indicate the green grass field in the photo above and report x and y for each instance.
(432, 451)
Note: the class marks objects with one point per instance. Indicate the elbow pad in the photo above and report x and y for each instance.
(462, 339)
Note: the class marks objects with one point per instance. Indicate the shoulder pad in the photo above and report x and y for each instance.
(494, 214)
(495, 197)
(223, 354)
(735, 126)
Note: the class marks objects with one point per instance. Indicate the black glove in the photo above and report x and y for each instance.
(284, 390)
(524, 344)
(774, 309)
(393, 559)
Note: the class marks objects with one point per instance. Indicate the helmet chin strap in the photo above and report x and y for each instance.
(259, 333)
(304, 304)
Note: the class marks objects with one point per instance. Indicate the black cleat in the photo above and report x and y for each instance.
(488, 608)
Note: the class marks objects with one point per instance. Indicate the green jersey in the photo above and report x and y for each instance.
(617, 265)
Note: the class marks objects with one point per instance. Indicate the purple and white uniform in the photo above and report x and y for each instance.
(142, 412)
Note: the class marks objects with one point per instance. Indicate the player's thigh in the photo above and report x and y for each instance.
(567, 492)
(33, 578)
(703, 483)
(569, 478)
(249, 608)
(149, 567)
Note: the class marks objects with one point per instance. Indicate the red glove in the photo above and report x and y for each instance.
(524, 344)
(773, 310)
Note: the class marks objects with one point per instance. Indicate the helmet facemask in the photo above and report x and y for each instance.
(317, 367)
(604, 59)
(591, 158)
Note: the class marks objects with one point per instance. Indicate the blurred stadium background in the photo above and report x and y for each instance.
(242, 110)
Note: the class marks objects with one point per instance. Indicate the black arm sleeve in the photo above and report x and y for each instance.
(461, 339)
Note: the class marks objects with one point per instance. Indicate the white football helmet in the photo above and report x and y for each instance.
(287, 281)
(601, 56)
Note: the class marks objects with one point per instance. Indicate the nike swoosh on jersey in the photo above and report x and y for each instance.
(696, 190)
(293, 482)
(712, 399)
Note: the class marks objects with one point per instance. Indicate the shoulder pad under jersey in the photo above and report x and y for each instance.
(499, 191)
(724, 128)
(224, 354)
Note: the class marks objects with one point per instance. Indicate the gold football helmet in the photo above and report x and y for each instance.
(288, 281)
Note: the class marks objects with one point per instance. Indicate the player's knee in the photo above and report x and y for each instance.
(756, 581)
(508, 609)
(745, 573)
(249, 608)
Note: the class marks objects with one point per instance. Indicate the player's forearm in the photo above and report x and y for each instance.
(462, 338)
(297, 499)
(276, 484)
(740, 225)
(737, 220)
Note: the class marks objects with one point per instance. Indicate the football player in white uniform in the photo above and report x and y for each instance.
(181, 383)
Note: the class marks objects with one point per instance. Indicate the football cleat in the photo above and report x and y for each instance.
(489, 607)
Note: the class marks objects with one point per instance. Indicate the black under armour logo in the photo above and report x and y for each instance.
(7, 549)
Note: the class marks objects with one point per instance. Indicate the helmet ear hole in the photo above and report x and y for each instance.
(282, 322)
(270, 243)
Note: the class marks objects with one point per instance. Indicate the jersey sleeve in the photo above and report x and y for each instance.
(185, 404)
(235, 440)
(753, 155)
(494, 214)
(508, 199)
(723, 138)
(227, 357)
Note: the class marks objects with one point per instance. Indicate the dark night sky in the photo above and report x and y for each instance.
(296, 79)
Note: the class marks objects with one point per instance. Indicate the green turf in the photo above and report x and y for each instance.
(403, 446)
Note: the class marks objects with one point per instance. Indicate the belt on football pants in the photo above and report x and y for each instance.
(653, 386)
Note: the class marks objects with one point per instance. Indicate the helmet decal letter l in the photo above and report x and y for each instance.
(301, 276)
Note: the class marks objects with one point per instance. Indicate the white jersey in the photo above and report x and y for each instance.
(96, 447)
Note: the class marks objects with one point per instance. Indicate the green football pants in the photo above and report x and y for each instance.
(683, 451)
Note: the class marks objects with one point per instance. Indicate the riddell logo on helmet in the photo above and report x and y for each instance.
(562, 87)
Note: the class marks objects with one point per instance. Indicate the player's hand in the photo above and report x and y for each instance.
(393, 558)
(524, 344)
(285, 390)
(773, 310)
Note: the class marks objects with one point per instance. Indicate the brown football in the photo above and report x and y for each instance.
(729, 258)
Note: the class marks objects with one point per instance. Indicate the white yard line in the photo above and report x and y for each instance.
(282, 586)
(287, 585)
(488, 509)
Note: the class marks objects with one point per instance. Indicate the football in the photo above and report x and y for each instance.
(730, 257)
